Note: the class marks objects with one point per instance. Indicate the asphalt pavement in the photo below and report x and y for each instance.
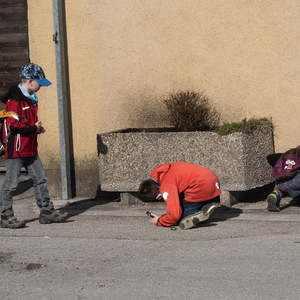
(108, 251)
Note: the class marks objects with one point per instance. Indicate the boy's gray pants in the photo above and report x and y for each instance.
(36, 172)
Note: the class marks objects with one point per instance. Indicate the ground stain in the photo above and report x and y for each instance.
(8, 265)
(34, 266)
(5, 256)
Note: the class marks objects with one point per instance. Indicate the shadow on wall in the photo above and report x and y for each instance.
(86, 173)
(147, 113)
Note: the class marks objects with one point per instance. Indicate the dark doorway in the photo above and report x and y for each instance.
(14, 49)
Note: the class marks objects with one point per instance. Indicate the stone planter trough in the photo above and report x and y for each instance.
(127, 156)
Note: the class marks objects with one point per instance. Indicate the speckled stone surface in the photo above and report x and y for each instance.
(239, 159)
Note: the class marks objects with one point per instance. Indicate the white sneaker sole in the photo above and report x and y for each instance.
(195, 219)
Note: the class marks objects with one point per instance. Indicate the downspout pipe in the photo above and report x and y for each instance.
(64, 103)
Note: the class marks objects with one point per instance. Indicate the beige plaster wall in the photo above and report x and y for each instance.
(42, 52)
(126, 54)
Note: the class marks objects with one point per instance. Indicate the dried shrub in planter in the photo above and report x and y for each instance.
(191, 111)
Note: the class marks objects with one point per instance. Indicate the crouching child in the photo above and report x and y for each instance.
(286, 171)
(191, 193)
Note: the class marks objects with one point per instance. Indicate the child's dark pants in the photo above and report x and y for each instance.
(189, 208)
(291, 187)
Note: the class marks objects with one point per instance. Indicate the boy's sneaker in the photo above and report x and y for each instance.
(50, 215)
(8, 220)
(273, 201)
(195, 219)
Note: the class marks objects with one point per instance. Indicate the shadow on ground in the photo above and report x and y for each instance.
(224, 213)
(253, 195)
(221, 214)
(79, 207)
(295, 202)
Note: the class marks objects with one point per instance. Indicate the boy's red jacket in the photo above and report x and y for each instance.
(22, 134)
(196, 182)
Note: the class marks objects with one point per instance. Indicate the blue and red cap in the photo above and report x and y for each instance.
(35, 72)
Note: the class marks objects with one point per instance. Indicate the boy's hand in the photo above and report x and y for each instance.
(40, 128)
(154, 219)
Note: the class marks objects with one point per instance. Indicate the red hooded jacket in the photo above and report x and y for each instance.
(21, 135)
(196, 182)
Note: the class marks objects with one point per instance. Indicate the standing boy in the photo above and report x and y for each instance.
(20, 137)
(191, 193)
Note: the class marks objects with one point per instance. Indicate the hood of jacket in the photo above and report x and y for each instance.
(158, 173)
(14, 93)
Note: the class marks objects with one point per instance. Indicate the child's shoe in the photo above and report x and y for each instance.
(273, 201)
(50, 215)
(8, 220)
(195, 219)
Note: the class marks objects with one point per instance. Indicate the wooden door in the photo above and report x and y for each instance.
(14, 50)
